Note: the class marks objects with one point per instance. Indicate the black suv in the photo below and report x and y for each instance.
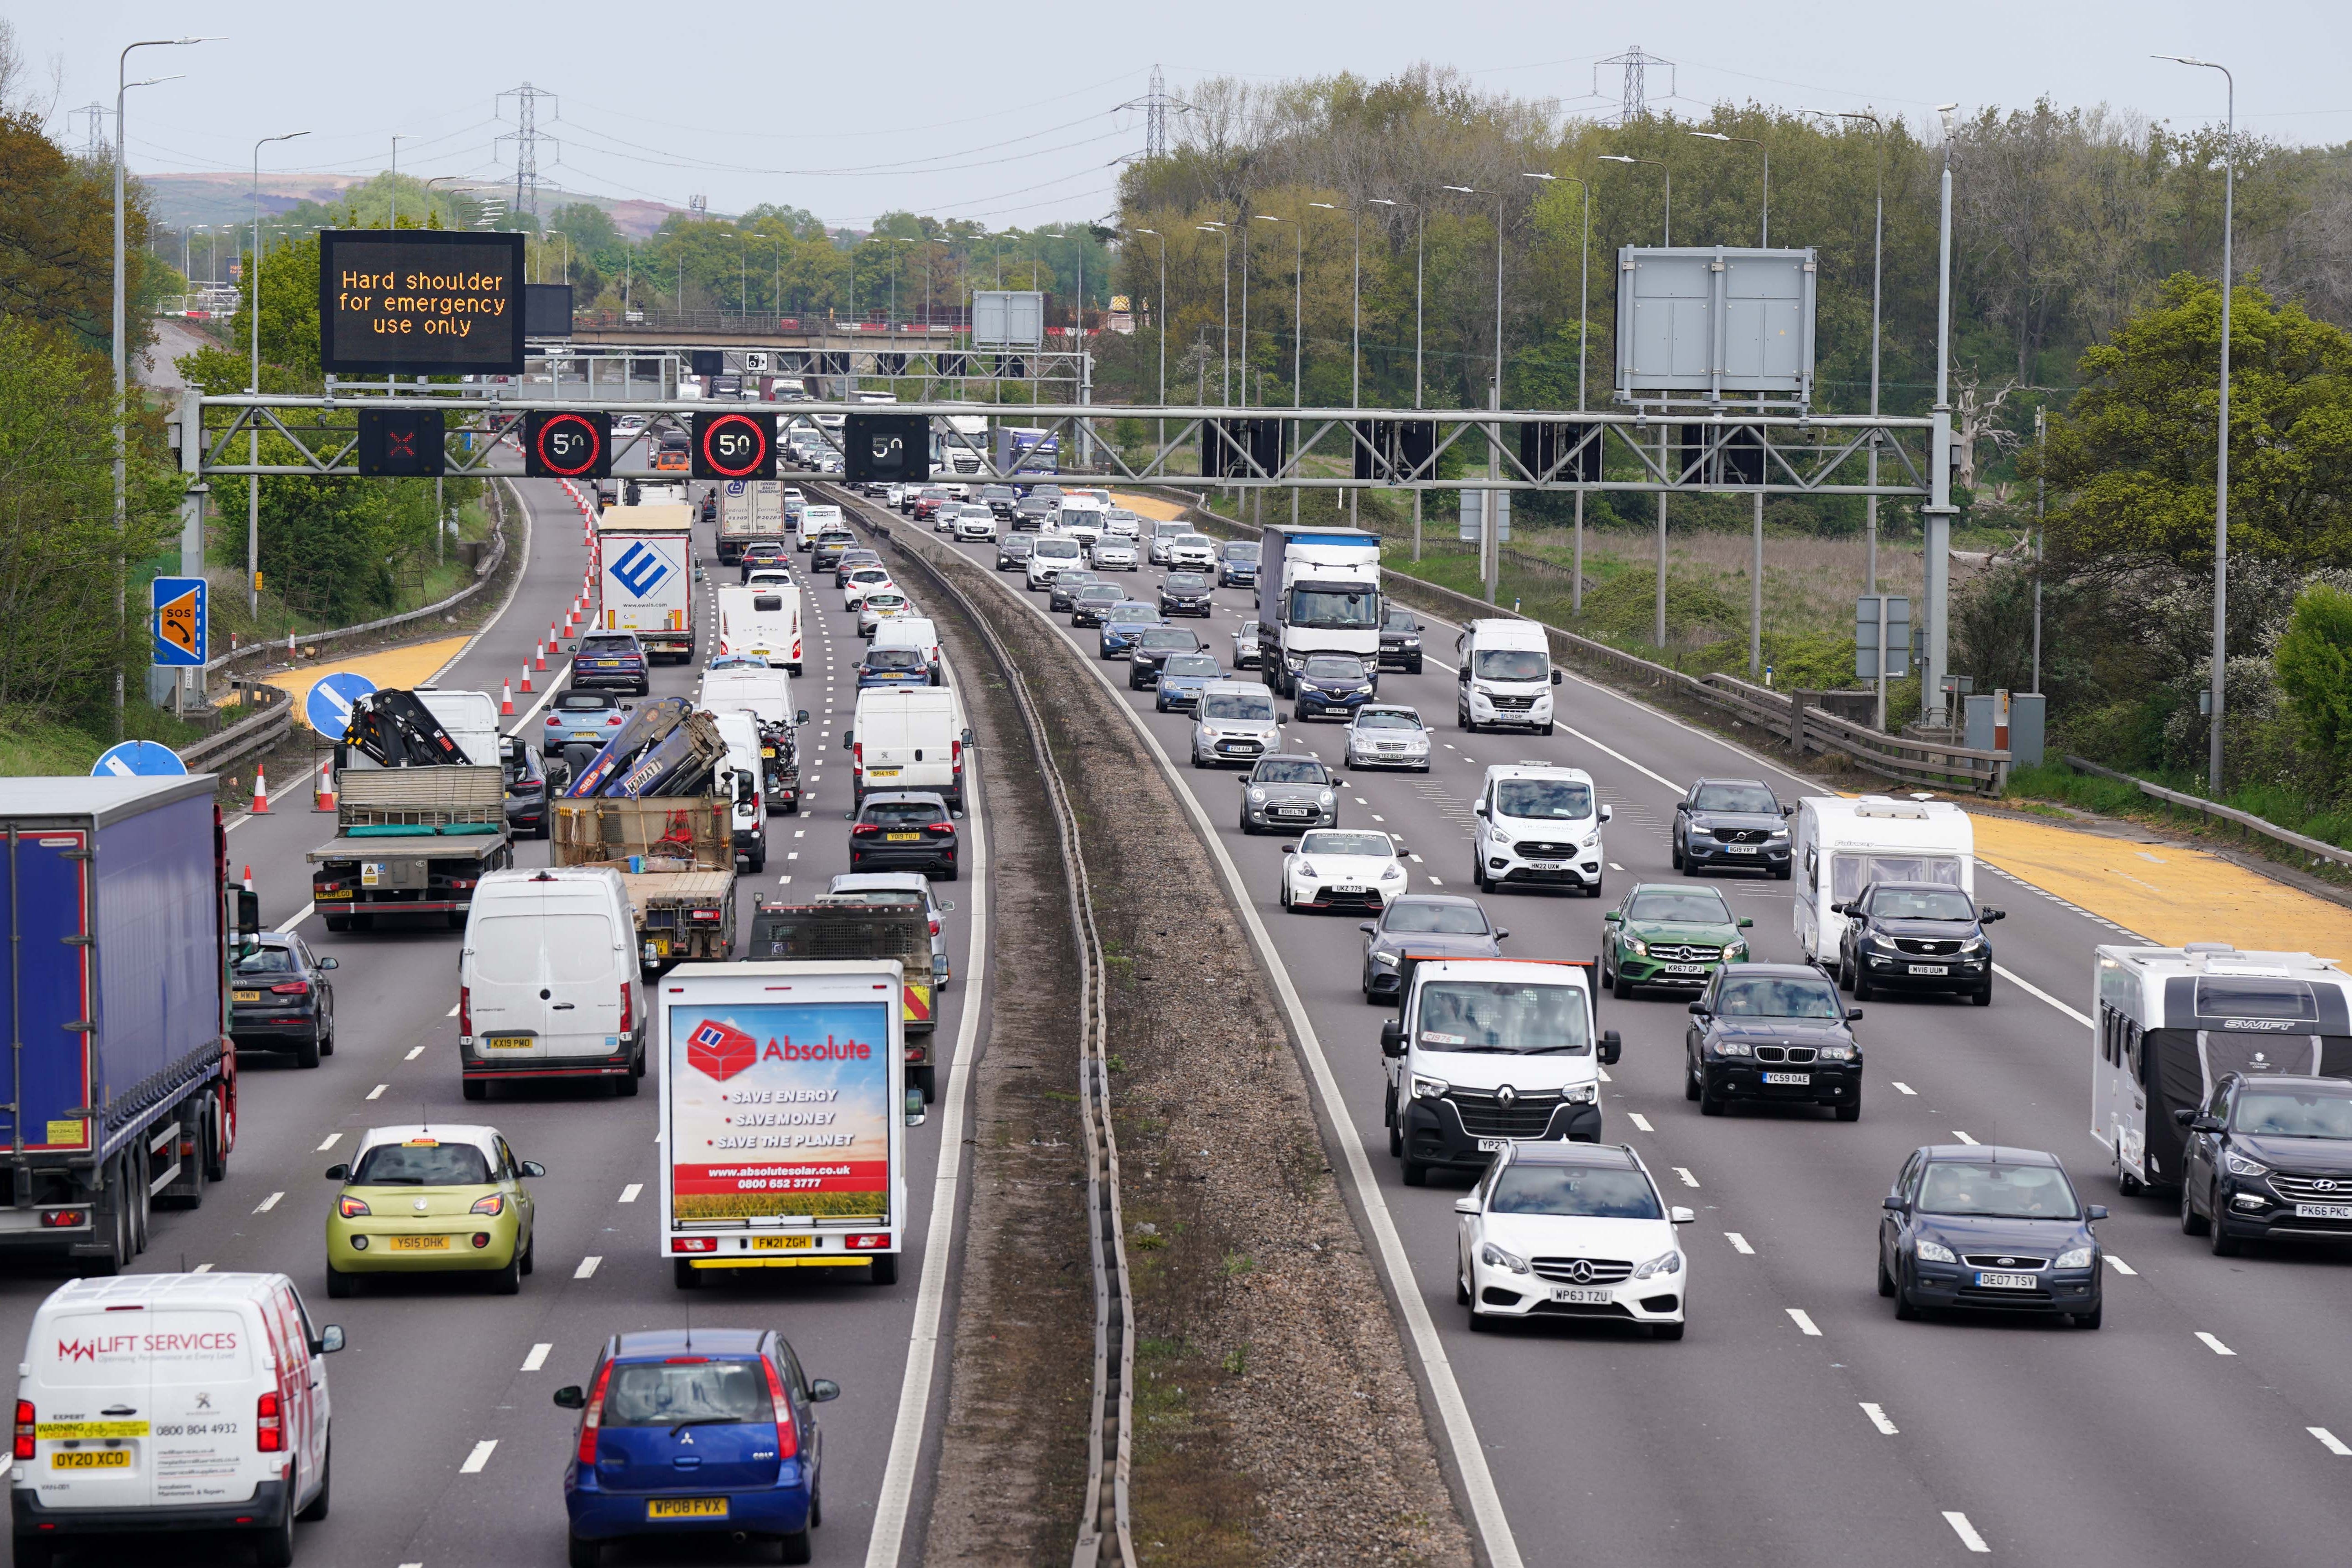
(1774, 1033)
(281, 1000)
(1400, 641)
(1031, 514)
(2269, 1156)
(763, 553)
(1063, 592)
(1152, 645)
(999, 500)
(1916, 936)
(1738, 823)
(905, 830)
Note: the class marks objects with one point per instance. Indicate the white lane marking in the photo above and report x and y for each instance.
(537, 1358)
(413, 1052)
(332, 1138)
(1877, 1415)
(266, 1205)
(2030, 989)
(1684, 1172)
(1417, 859)
(1434, 881)
(1604, 1075)
(792, 854)
(1965, 1530)
(2216, 1346)
(1640, 1121)
(202, 1268)
(2120, 1267)
(800, 833)
(1614, 867)
(454, 1007)
(1902, 1087)
(785, 882)
(300, 915)
(629, 1194)
(1804, 1324)
(2331, 1442)
(1626, 760)
(478, 1458)
(587, 1267)
(1738, 1244)
(1963, 1137)
(377, 1091)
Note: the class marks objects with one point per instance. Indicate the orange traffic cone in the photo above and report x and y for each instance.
(506, 699)
(539, 653)
(323, 797)
(526, 677)
(249, 876)
(261, 792)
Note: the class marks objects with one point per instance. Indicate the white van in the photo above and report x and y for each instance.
(1484, 1052)
(172, 1401)
(814, 520)
(1080, 518)
(761, 619)
(1843, 845)
(1506, 676)
(471, 718)
(742, 733)
(1538, 824)
(917, 632)
(906, 737)
(765, 692)
(547, 980)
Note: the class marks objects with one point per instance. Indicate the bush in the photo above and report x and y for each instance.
(2313, 663)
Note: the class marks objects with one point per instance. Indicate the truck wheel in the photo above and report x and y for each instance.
(927, 1080)
(140, 1176)
(885, 1269)
(216, 1146)
(475, 1089)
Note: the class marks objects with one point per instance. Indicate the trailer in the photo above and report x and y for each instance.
(676, 856)
(122, 926)
(410, 841)
(829, 931)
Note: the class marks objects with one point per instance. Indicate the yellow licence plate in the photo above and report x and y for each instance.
(418, 1243)
(882, 773)
(249, 995)
(90, 1459)
(903, 837)
(508, 1042)
(782, 1242)
(767, 751)
(687, 1508)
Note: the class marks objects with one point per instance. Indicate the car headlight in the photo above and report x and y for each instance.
(1388, 958)
(2075, 1257)
(1361, 691)
(1306, 868)
(1257, 796)
(1429, 1088)
(1702, 829)
(1973, 944)
(1494, 1256)
(1732, 1048)
(1933, 1251)
(1664, 1263)
(1412, 642)
(1482, 689)
(1837, 1053)
(1735, 950)
(1392, 873)
(1641, 949)
(1325, 797)
(1502, 840)
(2237, 1164)
(1593, 840)
(1582, 1094)
(1779, 832)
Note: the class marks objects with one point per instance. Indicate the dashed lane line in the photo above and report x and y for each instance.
(629, 1194)
(413, 1052)
(478, 1458)
(1964, 1138)
(1684, 1172)
(1902, 1087)
(1640, 1121)
(2331, 1442)
(537, 1358)
(1965, 1530)
(377, 1091)
(332, 1138)
(1805, 1324)
(2216, 1346)
(1878, 1413)
(2120, 1267)
(1738, 1244)
(266, 1205)
(587, 1268)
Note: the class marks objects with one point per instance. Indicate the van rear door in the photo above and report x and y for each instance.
(154, 1405)
(546, 982)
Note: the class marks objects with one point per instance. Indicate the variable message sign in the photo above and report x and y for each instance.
(420, 302)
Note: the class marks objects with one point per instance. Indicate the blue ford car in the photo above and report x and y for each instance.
(1122, 623)
(1181, 677)
(708, 1432)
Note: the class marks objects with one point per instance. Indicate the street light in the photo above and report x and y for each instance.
(1160, 310)
(1936, 515)
(253, 386)
(1583, 276)
(2221, 442)
(1718, 136)
(397, 138)
(1419, 231)
(122, 452)
(1225, 318)
(1490, 541)
(1622, 158)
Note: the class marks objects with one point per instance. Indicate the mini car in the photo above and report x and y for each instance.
(430, 1199)
(1284, 790)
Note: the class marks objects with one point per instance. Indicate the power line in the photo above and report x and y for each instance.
(525, 136)
(1633, 97)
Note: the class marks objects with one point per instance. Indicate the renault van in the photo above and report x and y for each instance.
(547, 980)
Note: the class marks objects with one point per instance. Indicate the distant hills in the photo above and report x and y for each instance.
(181, 200)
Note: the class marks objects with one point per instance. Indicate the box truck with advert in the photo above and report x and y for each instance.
(646, 577)
(783, 1116)
(121, 1091)
(1318, 592)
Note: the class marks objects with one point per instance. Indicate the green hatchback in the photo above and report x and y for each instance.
(1669, 935)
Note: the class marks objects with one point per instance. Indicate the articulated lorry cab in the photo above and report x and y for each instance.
(121, 1092)
(1318, 592)
(783, 1111)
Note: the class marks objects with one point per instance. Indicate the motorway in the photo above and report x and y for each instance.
(448, 1451)
(1799, 1423)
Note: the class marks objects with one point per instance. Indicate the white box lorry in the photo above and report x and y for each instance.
(1318, 592)
(646, 577)
(783, 1115)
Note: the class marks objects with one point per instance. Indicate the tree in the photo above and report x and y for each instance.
(2313, 661)
(56, 237)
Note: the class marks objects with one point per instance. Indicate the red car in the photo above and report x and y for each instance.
(928, 502)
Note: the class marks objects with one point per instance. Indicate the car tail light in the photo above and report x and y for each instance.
(25, 1428)
(864, 1243)
(613, 719)
(269, 1423)
(292, 988)
(934, 925)
(466, 1011)
(352, 1207)
(628, 1008)
(60, 1219)
(866, 830)
(493, 1205)
(857, 756)
(938, 827)
(694, 1244)
(788, 1435)
(591, 1415)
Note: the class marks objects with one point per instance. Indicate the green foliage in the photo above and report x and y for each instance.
(2314, 660)
(56, 238)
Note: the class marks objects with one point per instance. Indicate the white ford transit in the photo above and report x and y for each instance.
(547, 980)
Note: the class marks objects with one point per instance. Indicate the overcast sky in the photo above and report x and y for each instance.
(1010, 116)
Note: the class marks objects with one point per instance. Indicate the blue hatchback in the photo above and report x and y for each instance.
(702, 1432)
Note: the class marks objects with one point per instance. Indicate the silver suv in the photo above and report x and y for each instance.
(1235, 724)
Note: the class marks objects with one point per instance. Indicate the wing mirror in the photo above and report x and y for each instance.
(947, 906)
(1291, 850)
(822, 1389)
(1989, 914)
(330, 1340)
(1468, 1203)
(339, 1173)
(967, 736)
(1480, 809)
(1607, 813)
(914, 1108)
(1612, 1046)
(1788, 810)
(1555, 678)
(2206, 1124)
(571, 1397)
(1501, 931)
(803, 717)
(533, 1168)
(846, 739)
(1684, 1216)
(2096, 1211)
(1897, 1204)
(1699, 1008)
(1393, 1037)
(1368, 928)
(1747, 920)
(329, 963)
(1854, 1015)
(1612, 917)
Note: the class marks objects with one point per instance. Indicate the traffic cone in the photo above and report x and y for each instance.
(526, 677)
(539, 653)
(323, 797)
(261, 792)
(506, 699)
(249, 876)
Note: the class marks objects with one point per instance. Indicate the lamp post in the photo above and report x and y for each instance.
(1937, 516)
(1490, 533)
(1583, 285)
(1765, 241)
(1160, 314)
(2221, 436)
(1420, 230)
(1669, 174)
(1263, 217)
(253, 387)
(1225, 316)
(397, 138)
(122, 452)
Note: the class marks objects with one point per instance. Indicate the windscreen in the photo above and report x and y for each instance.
(894, 658)
(1237, 705)
(1335, 608)
(1921, 904)
(1997, 1192)
(1133, 611)
(898, 813)
(267, 961)
(1526, 1187)
(1851, 872)
(1158, 638)
(1498, 1017)
(1058, 549)
(667, 1393)
(1545, 800)
(1399, 621)
(1512, 664)
(1687, 906)
(1287, 772)
(1436, 919)
(1330, 843)
(1198, 664)
(1386, 718)
(1186, 583)
(2275, 1113)
(1738, 797)
(582, 701)
(1776, 998)
(1332, 669)
(608, 644)
(1194, 542)
(1239, 550)
(421, 1165)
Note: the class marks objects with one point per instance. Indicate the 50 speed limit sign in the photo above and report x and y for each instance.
(567, 445)
(734, 445)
